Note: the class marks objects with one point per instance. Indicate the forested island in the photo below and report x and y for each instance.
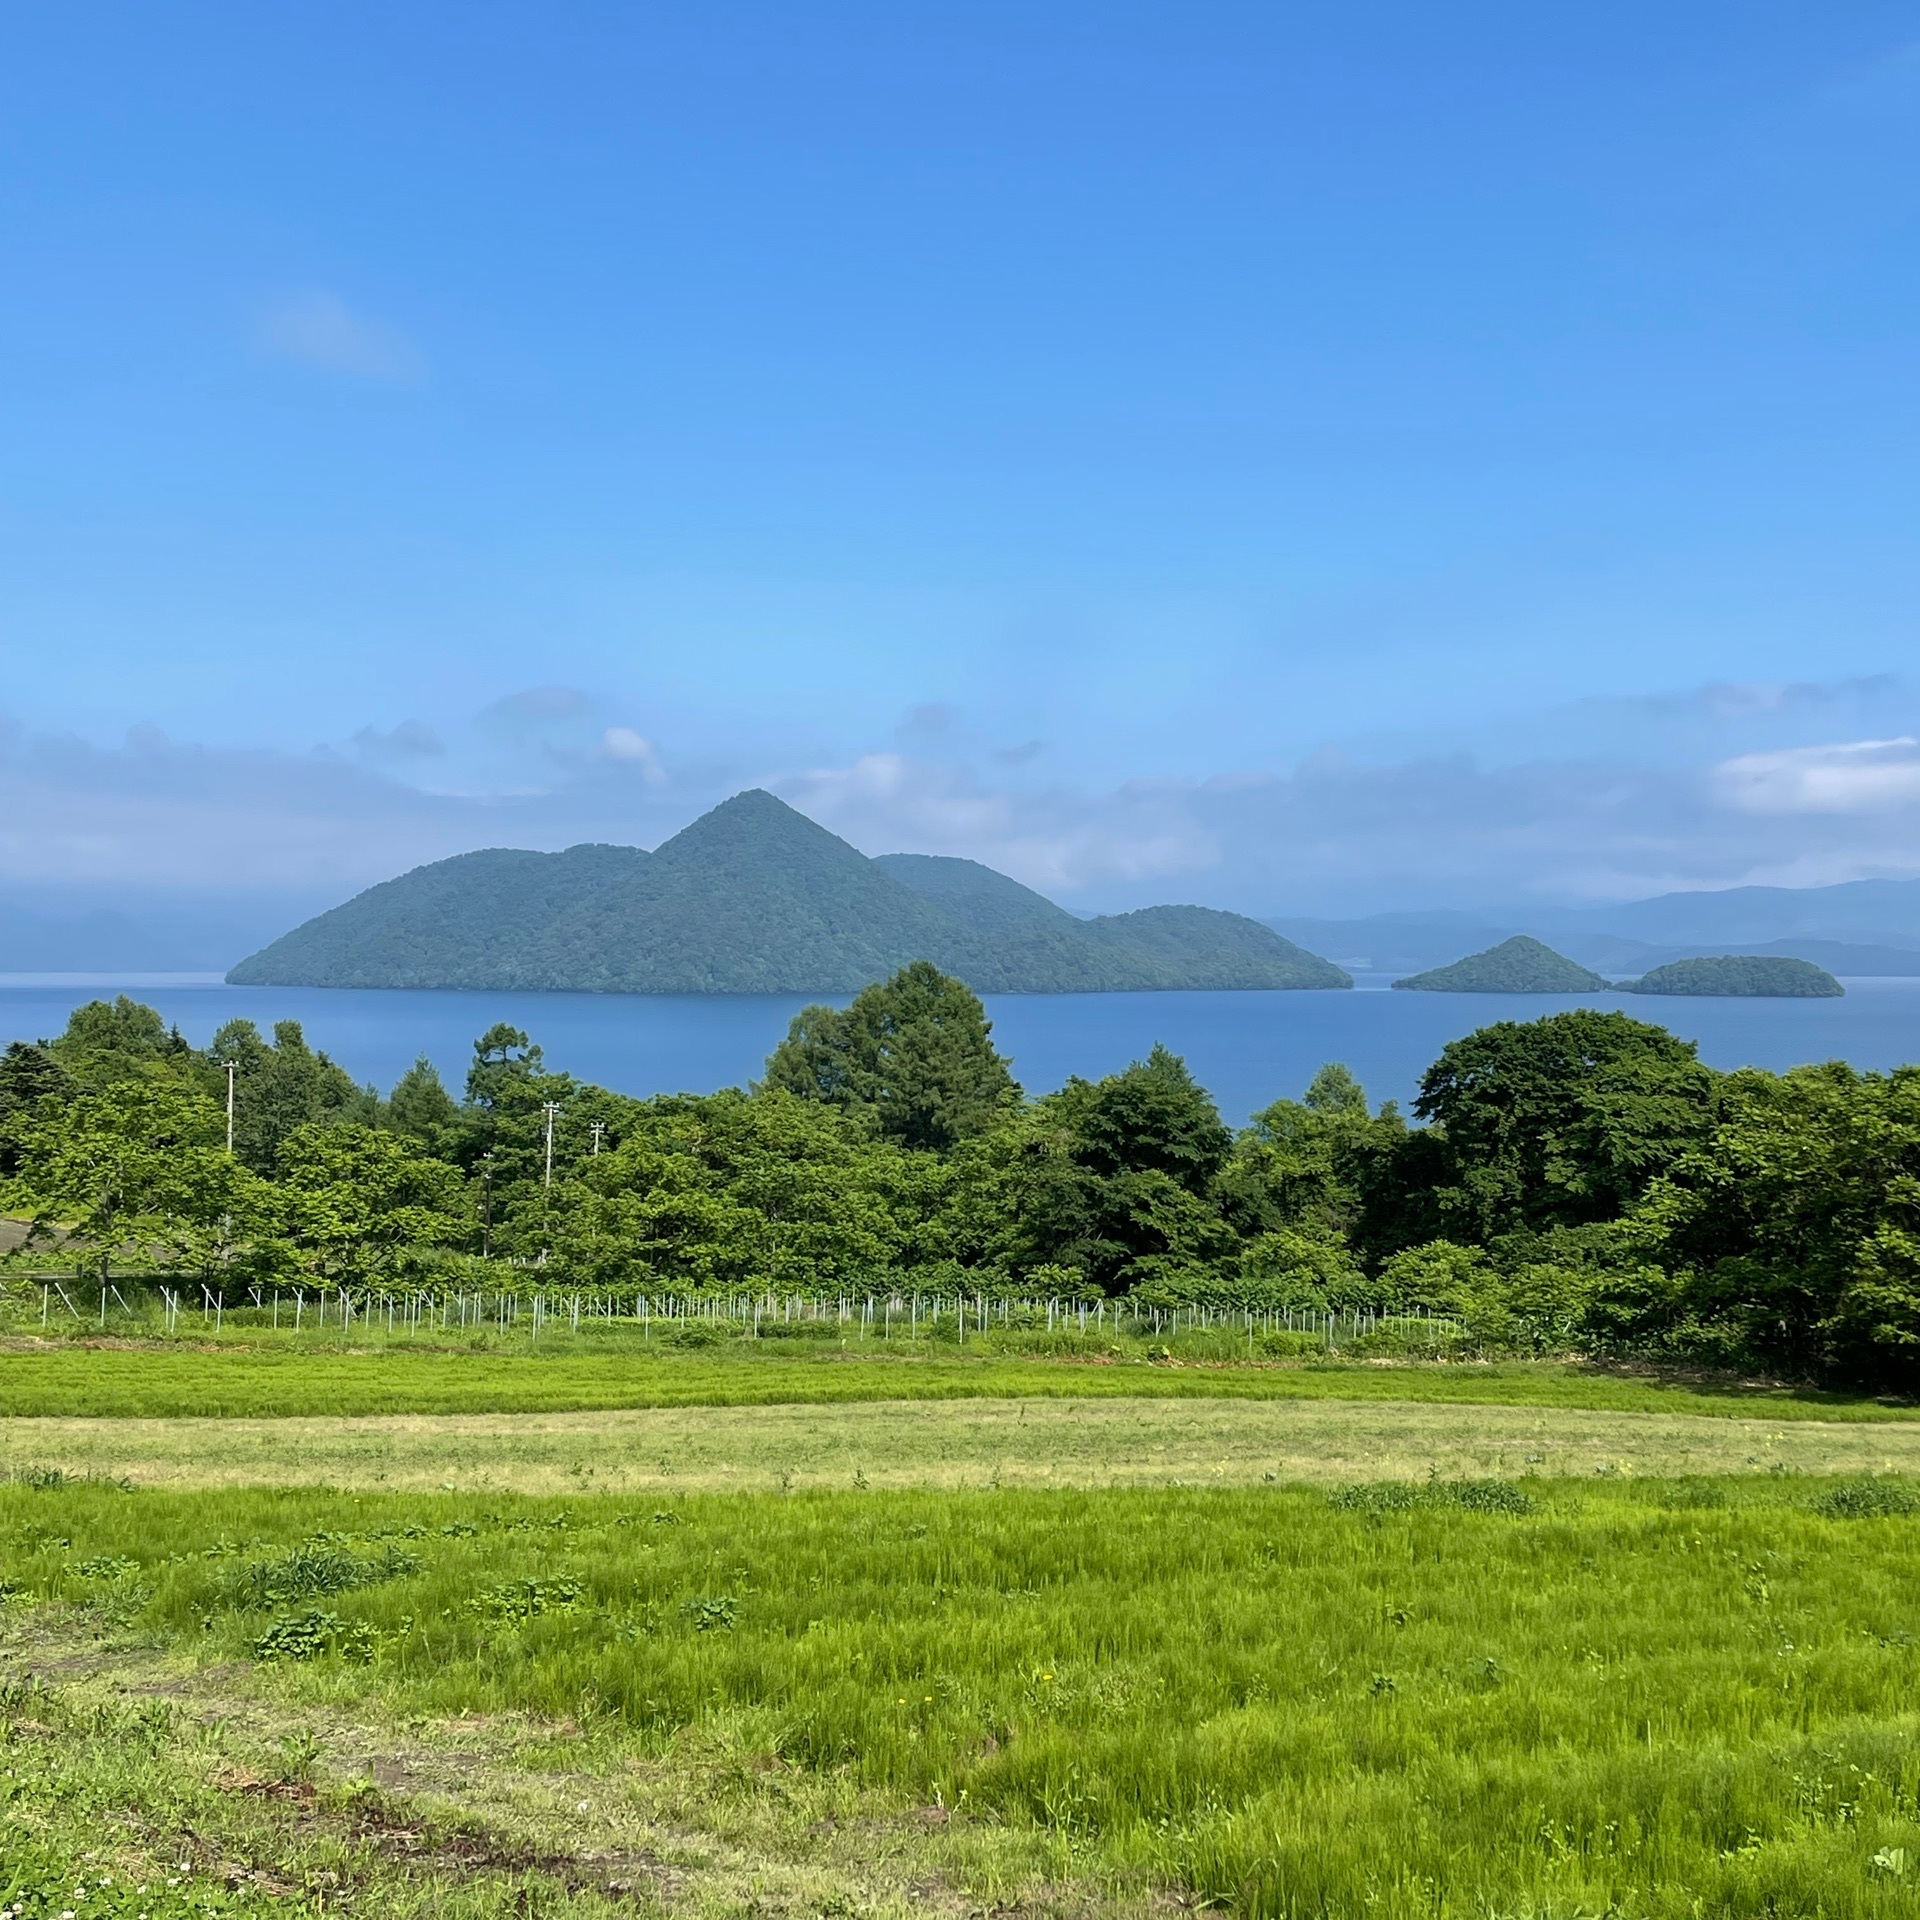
(1519, 965)
(1576, 1183)
(753, 897)
(1747, 975)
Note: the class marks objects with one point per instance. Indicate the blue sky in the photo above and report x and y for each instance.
(1301, 458)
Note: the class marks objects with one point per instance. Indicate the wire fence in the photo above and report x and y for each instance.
(882, 1315)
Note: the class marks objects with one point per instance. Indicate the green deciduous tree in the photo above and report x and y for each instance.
(773, 1191)
(1558, 1122)
(357, 1202)
(119, 1039)
(1111, 1177)
(137, 1173)
(1325, 1164)
(913, 1055)
(1786, 1236)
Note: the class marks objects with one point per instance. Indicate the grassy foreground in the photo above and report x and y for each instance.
(257, 1374)
(1657, 1699)
(942, 1443)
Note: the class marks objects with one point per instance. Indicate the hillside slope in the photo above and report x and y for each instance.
(755, 898)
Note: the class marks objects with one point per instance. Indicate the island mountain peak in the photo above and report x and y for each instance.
(1519, 965)
(754, 897)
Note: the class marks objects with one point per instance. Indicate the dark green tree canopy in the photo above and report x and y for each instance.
(117, 1039)
(278, 1086)
(1561, 1121)
(913, 1055)
(1583, 1183)
(1321, 1164)
(503, 1060)
(420, 1105)
(1749, 975)
(1154, 1117)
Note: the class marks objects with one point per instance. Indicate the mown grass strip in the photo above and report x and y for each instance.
(953, 1443)
(263, 1380)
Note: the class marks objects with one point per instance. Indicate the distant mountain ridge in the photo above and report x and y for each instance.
(753, 897)
(1855, 927)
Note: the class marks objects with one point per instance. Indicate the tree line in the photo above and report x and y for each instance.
(1581, 1181)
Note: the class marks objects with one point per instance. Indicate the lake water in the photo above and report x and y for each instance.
(1248, 1048)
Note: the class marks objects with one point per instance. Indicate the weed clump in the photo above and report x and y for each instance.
(105, 1566)
(312, 1635)
(1868, 1499)
(319, 1567)
(522, 1599)
(714, 1613)
(1399, 1496)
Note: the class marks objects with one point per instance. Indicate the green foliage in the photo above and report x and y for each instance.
(913, 1055)
(119, 1039)
(525, 1599)
(313, 1635)
(355, 1202)
(29, 1076)
(1152, 1118)
(1789, 1234)
(279, 1087)
(1581, 1183)
(1746, 974)
(1324, 1165)
(1111, 1177)
(1560, 1121)
(1309, 1270)
(420, 1106)
(1520, 965)
(138, 1171)
(1440, 1274)
(321, 1566)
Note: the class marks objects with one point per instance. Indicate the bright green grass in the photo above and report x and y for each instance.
(262, 1377)
(1663, 1699)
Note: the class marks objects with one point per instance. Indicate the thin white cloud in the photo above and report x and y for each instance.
(630, 748)
(1853, 776)
(1055, 842)
(316, 328)
(1336, 834)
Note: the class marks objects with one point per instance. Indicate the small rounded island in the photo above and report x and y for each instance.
(1753, 975)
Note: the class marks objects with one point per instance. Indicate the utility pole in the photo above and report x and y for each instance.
(230, 1068)
(550, 1108)
(599, 1127)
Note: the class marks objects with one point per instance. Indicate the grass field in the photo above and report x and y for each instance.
(943, 1443)
(1662, 1699)
(259, 1375)
(786, 1629)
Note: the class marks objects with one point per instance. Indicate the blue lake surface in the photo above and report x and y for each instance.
(1248, 1048)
